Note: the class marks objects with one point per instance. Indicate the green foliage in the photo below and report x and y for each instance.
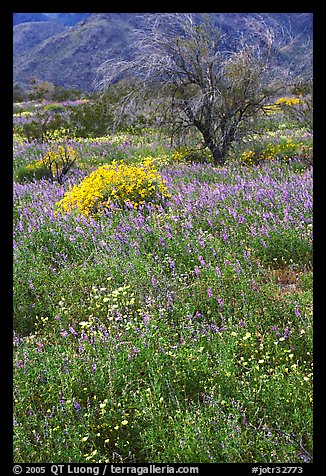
(40, 123)
(91, 119)
(41, 91)
(60, 93)
(277, 146)
(36, 170)
(192, 155)
(180, 333)
(156, 394)
(18, 93)
(283, 248)
(53, 165)
(54, 108)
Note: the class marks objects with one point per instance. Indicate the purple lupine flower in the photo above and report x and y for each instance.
(72, 330)
(210, 292)
(286, 332)
(80, 230)
(170, 300)
(202, 262)
(146, 319)
(224, 236)
(162, 242)
(297, 311)
(220, 302)
(218, 272)
(168, 232)
(39, 346)
(197, 271)
(77, 407)
(62, 401)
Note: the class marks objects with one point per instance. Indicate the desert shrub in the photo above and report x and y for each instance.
(298, 109)
(284, 150)
(288, 101)
(116, 183)
(90, 119)
(58, 135)
(192, 155)
(54, 107)
(281, 104)
(36, 170)
(35, 125)
(53, 165)
(19, 95)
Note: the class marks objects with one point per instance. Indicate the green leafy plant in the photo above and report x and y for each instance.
(53, 165)
(192, 154)
(283, 150)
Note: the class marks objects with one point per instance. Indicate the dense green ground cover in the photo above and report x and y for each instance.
(175, 333)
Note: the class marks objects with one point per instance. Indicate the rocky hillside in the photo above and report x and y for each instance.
(53, 47)
(67, 19)
(27, 35)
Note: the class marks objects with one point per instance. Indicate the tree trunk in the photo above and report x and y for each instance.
(218, 150)
(218, 155)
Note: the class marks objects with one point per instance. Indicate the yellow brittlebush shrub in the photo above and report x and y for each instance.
(116, 183)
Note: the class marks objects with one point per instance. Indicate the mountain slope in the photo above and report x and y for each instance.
(66, 19)
(70, 57)
(28, 17)
(27, 35)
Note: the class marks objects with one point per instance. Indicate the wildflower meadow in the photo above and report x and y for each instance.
(162, 304)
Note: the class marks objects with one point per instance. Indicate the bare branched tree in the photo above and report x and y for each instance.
(207, 80)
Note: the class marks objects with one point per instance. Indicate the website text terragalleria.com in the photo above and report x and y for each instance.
(56, 469)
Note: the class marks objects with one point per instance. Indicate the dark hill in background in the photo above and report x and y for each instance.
(28, 17)
(53, 47)
(70, 58)
(66, 19)
(28, 35)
